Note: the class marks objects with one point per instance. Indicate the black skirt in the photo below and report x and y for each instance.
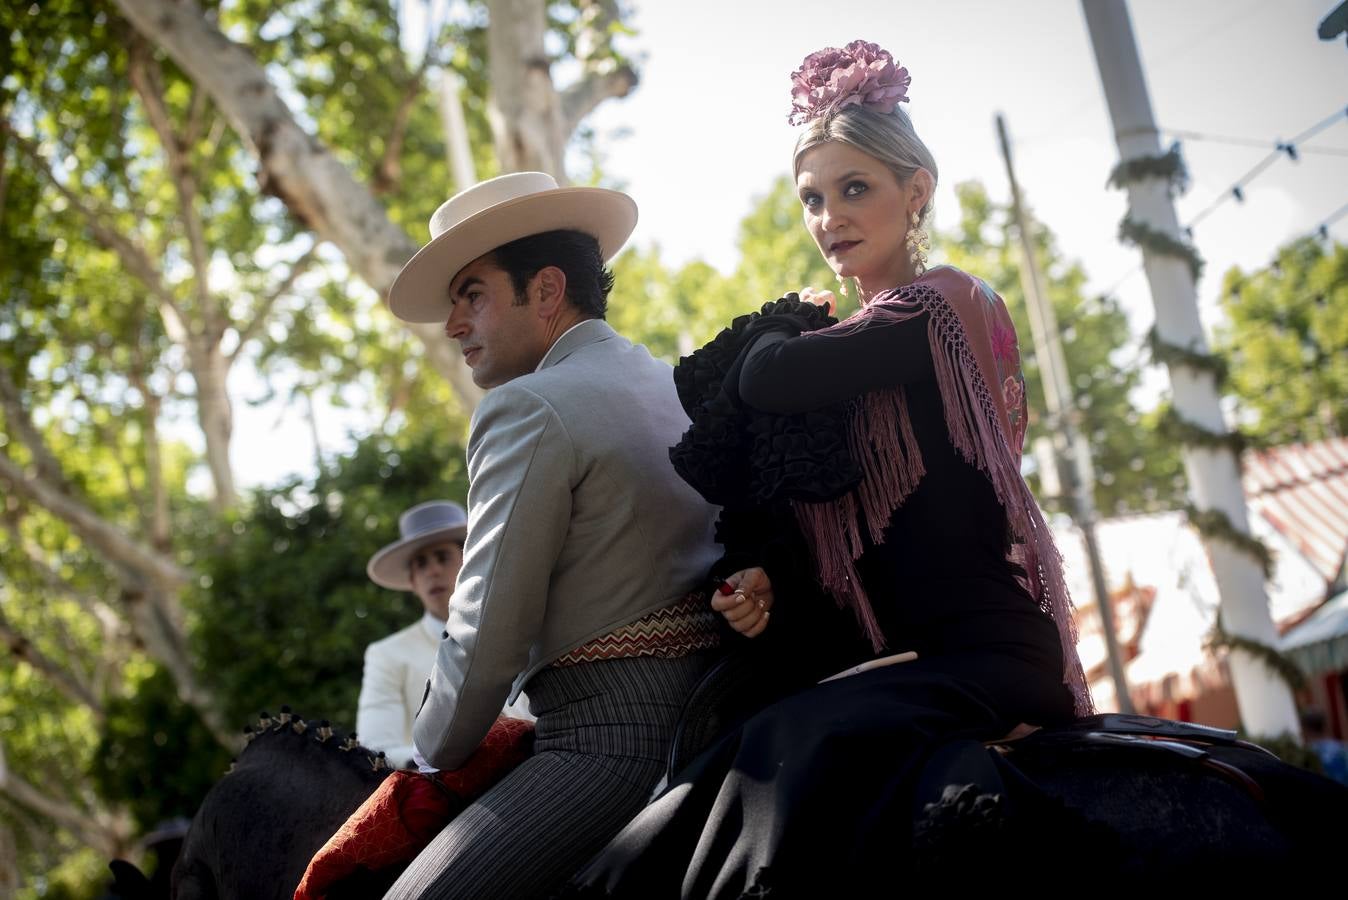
(816, 795)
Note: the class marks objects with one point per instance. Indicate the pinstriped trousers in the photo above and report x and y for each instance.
(602, 737)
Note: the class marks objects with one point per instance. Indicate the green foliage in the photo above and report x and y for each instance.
(1140, 234)
(671, 312)
(1277, 662)
(1286, 343)
(362, 94)
(1168, 166)
(1136, 469)
(674, 311)
(76, 874)
(1174, 355)
(49, 743)
(777, 254)
(286, 609)
(155, 755)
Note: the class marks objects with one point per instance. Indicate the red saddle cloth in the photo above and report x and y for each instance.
(408, 809)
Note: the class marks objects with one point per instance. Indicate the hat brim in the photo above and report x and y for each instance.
(389, 567)
(420, 293)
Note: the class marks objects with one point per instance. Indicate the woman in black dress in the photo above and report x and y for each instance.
(873, 510)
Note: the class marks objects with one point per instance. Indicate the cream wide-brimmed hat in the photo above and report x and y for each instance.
(425, 523)
(497, 212)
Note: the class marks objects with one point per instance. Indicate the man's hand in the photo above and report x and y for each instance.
(747, 603)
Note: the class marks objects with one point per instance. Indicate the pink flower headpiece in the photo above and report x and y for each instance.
(860, 73)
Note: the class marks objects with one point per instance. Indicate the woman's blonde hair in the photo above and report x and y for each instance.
(889, 137)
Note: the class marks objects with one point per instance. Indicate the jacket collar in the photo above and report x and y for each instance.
(590, 331)
(433, 627)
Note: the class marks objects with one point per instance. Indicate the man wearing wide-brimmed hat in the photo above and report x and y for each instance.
(583, 547)
(424, 560)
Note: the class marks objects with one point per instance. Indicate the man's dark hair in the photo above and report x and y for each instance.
(576, 253)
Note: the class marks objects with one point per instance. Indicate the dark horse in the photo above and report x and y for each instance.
(1123, 798)
(289, 790)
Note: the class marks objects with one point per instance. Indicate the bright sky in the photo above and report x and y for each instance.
(705, 133)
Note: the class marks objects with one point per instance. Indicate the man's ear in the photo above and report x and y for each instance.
(548, 290)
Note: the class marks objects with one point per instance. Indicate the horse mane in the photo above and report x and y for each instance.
(272, 740)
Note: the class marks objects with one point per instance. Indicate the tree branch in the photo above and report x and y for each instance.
(147, 79)
(594, 41)
(135, 259)
(158, 511)
(114, 629)
(136, 560)
(581, 98)
(4, 170)
(259, 320)
(196, 118)
(21, 424)
(109, 435)
(389, 171)
(64, 681)
(606, 75)
(106, 833)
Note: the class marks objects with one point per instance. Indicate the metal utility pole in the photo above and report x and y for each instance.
(1071, 450)
(1265, 700)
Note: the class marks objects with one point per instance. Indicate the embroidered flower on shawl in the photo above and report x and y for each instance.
(1013, 389)
(1013, 392)
(862, 73)
(1003, 343)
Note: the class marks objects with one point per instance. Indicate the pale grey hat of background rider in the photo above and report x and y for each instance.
(426, 523)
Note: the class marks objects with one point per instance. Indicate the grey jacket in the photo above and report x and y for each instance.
(577, 524)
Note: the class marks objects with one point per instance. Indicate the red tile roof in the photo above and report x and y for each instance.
(1302, 490)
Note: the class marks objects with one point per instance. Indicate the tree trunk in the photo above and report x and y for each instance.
(524, 107)
(9, 862)
(210, 371)
(532, 122)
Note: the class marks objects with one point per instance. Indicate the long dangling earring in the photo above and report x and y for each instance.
(842, 286)
(918, 243)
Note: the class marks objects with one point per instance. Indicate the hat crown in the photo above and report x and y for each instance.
(434, 515)
(483, 196)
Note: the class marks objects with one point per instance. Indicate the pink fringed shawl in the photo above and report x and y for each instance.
(977, 361)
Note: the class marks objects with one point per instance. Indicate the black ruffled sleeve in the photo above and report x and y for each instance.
(736, 456)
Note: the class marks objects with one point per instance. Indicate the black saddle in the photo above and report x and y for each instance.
(1131, 795)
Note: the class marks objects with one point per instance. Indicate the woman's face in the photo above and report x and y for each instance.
(857, 212)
